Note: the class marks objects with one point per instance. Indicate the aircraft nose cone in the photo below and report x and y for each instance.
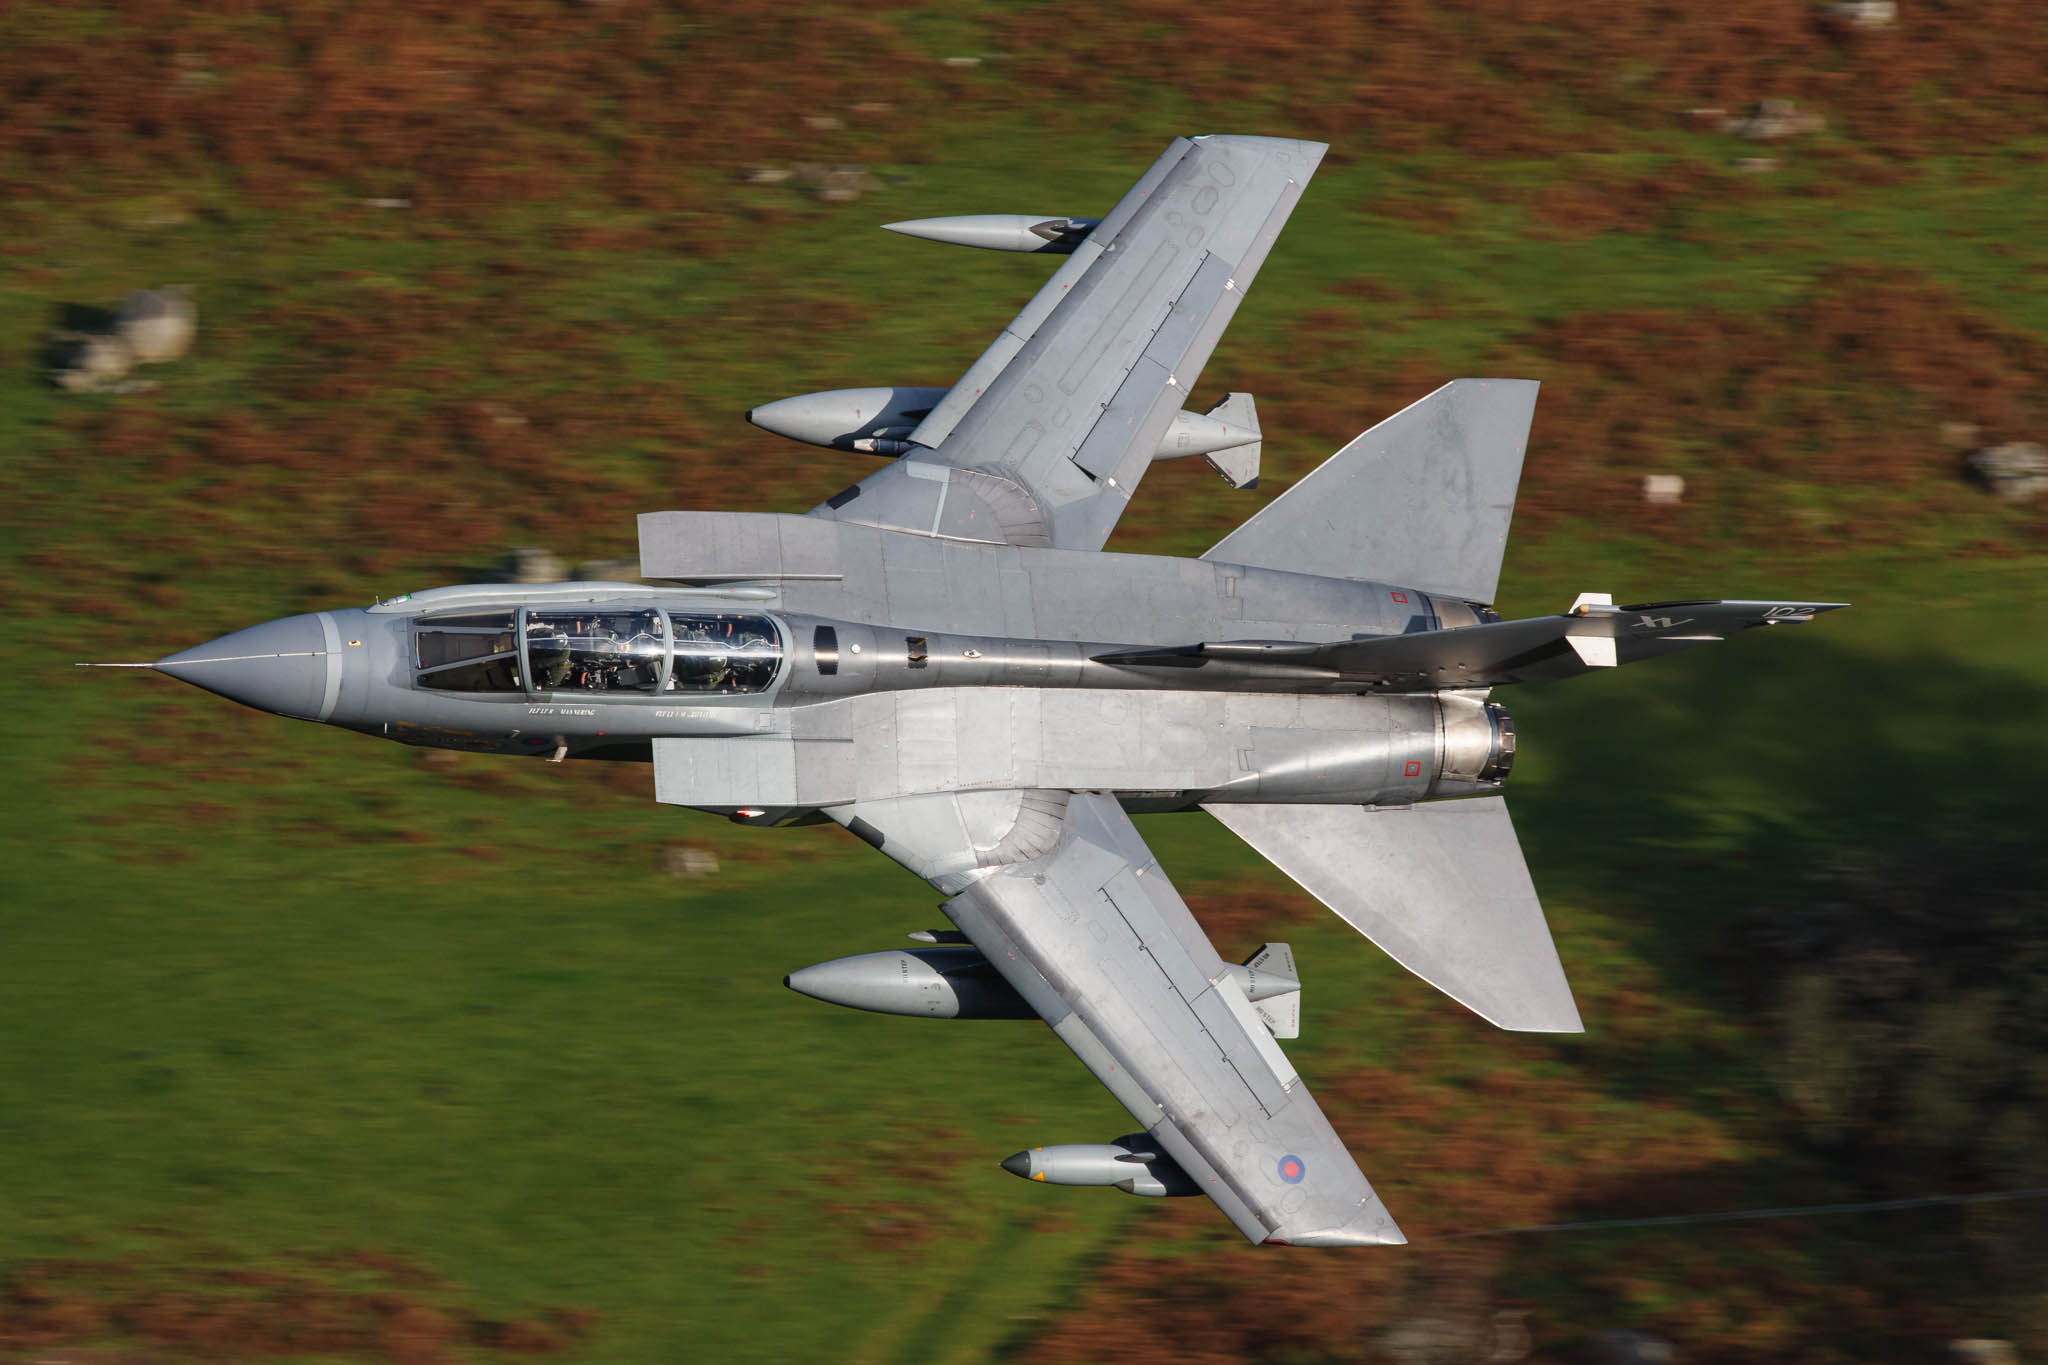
(1020, 1164)
(286, 666)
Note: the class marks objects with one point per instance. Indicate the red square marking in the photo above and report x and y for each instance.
(1400, 597)
(1414, 769)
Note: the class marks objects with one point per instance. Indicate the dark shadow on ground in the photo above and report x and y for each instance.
(1834, 854)
(1679, 799)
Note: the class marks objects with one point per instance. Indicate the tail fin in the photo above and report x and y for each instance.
(1422, 500)
(1441, 888)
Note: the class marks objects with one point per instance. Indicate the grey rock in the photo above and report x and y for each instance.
(2014, 472)
(1774, 121)
(1867, 15)
(158, 324)
(90, 362)
(1664, 489)
(683, 860)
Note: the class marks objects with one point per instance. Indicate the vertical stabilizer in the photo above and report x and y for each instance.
(1422, 500)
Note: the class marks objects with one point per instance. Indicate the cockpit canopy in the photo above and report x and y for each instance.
(642, 651)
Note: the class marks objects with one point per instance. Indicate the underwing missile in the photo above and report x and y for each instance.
(956, 982)
(931, 983)
(1133, 1164)
(880, 419)
(1001, 231)
(874, 421)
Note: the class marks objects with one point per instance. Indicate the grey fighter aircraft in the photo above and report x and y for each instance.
(942, 660)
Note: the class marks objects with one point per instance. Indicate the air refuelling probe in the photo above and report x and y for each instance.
(941, 659)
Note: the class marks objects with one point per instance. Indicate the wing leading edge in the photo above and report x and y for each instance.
(1045, 438)
(1061, 894)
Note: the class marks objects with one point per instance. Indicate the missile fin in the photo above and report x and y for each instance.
(1239, 465)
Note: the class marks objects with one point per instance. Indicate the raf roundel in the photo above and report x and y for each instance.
(1292, 1169)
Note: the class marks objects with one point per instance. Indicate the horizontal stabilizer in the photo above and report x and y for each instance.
(1441, 888)
(1534, 649)
(1423, 499)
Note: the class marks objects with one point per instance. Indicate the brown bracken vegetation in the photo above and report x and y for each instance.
(456, 109)
(1540, 77)
(1845, 386)
(361, 1306)
(512, 101)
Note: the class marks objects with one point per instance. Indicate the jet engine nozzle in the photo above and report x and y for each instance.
(1133, 1163)
(1479, 746)
(932, 983)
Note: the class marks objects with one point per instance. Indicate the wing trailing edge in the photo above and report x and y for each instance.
(1440, 888)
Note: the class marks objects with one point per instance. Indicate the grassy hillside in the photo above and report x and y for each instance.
(314, 1047)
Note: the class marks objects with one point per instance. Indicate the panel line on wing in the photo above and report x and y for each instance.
(1093, 353)
(1155, 282)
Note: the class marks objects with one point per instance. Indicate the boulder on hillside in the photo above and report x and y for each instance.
(2014, 472)
(89, 362)
(1866, 16)
(92, 350)
(1774, 121)
(158, 324)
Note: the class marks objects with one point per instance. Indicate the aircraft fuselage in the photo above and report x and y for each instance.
(603, 670)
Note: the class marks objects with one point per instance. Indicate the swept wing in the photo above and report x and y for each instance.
(1045, 438)
(1060, 893)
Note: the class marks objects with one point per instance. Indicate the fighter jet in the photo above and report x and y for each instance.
(942, 660)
